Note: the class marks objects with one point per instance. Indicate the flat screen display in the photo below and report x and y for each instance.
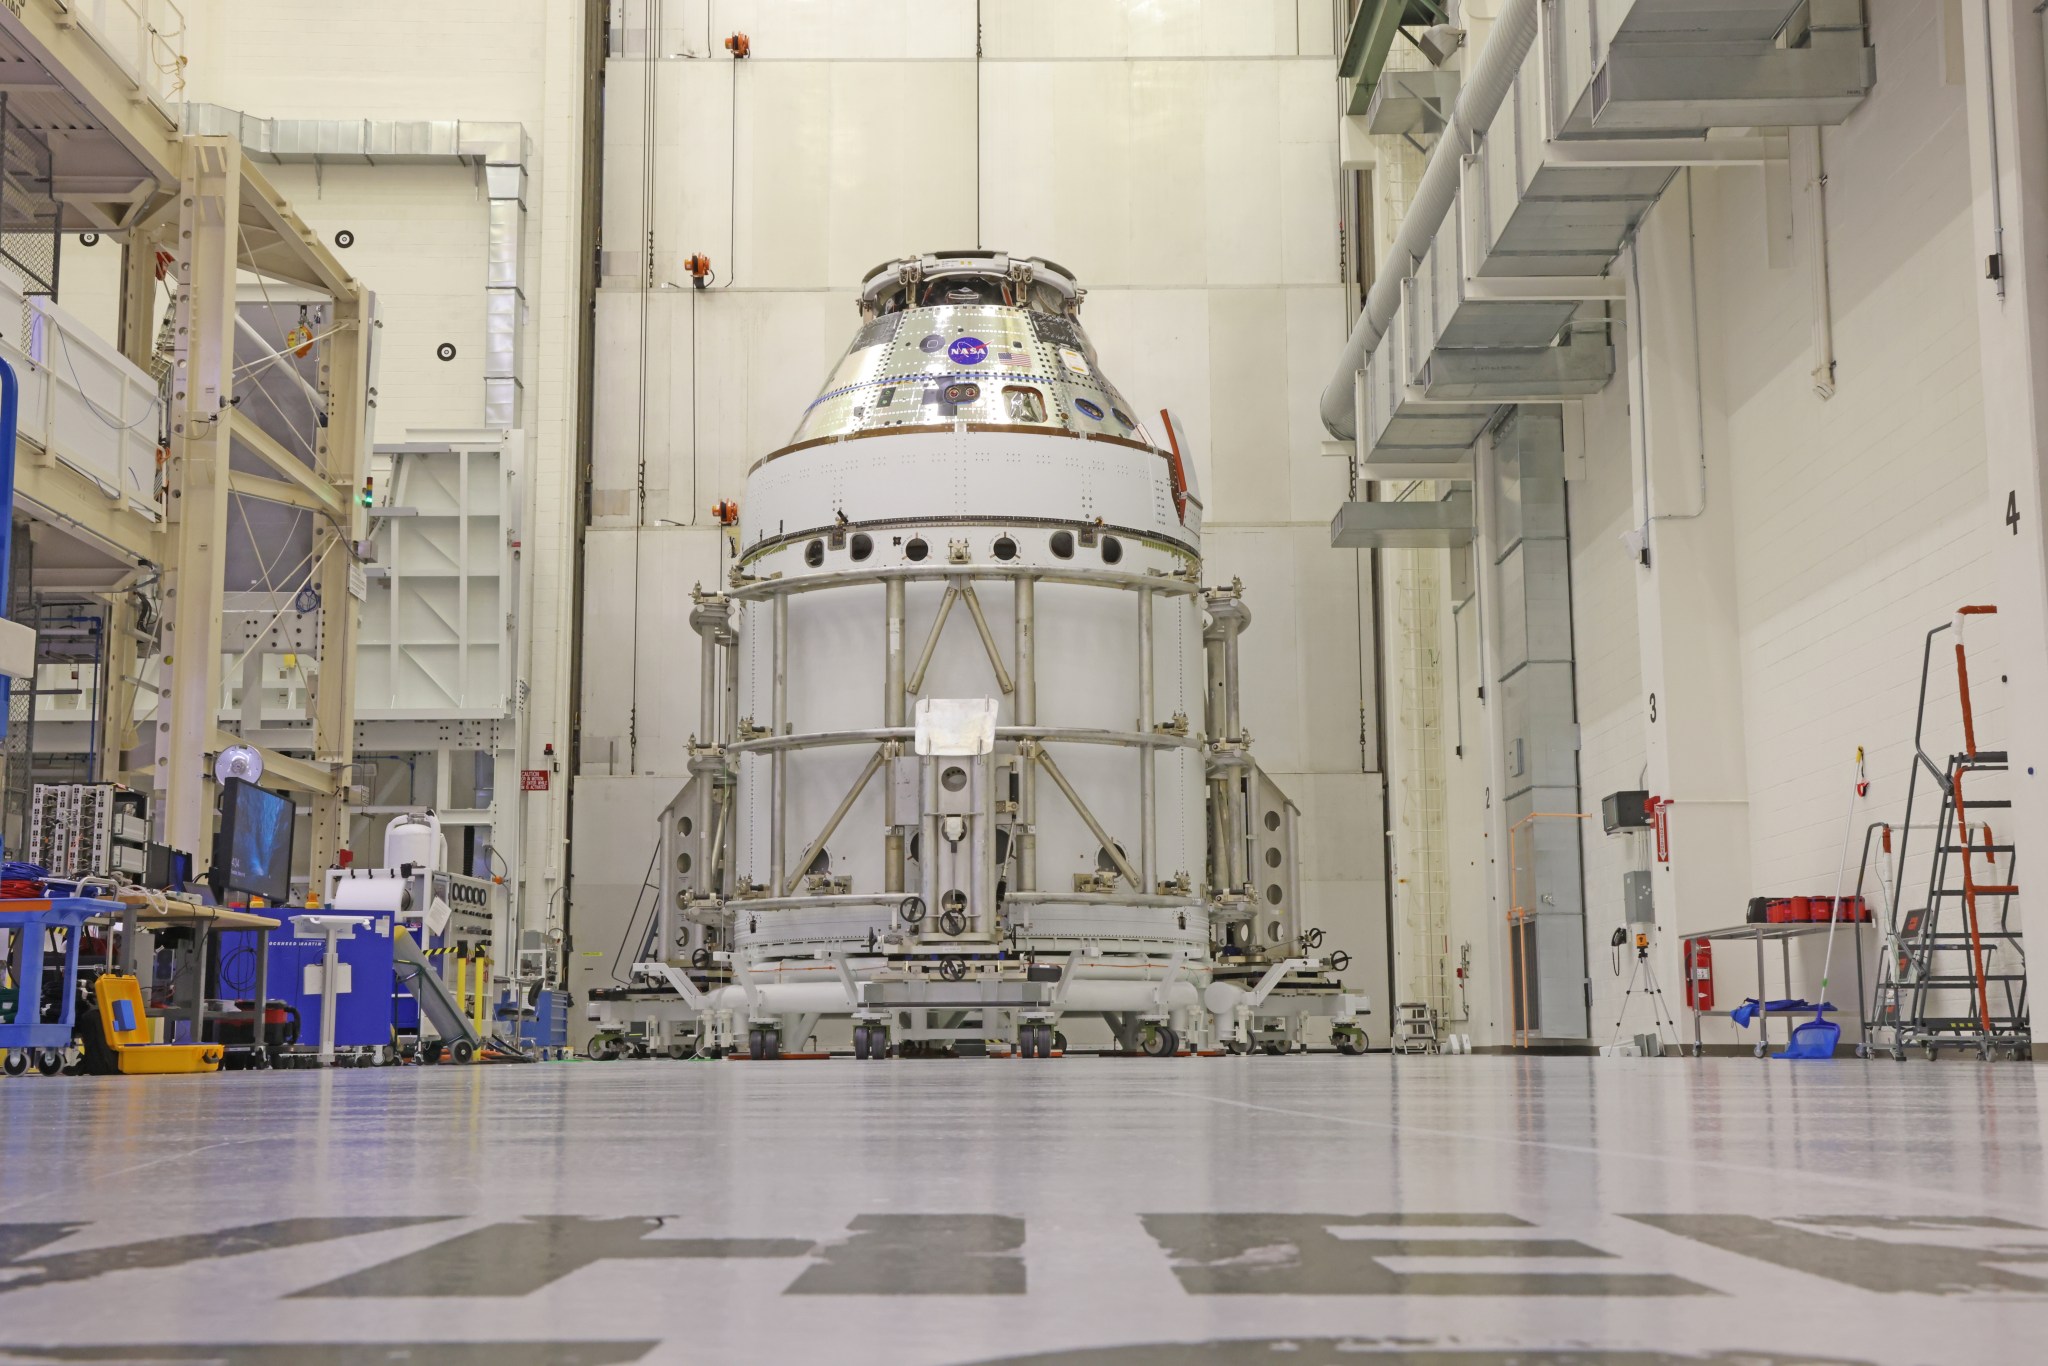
(256, 835)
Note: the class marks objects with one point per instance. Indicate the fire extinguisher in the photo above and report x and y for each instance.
(1699, 974)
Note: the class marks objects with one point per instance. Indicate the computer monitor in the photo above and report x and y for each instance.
(253, 851)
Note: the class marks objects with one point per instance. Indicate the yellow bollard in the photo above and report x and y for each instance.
(480, 1011)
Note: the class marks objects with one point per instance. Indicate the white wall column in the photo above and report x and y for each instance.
(1685, 600)
(2008, 112)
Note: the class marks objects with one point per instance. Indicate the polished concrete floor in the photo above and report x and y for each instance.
(1102, 1210)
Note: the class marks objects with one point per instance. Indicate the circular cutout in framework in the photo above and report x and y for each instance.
(88, 239)
(1112, 550)
(446, 350)
(814, 554)
(1005, 548)
(916, 550)
(1063, 544)
(344, 239)
(861, 546)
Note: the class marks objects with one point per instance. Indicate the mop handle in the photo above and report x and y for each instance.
(1827, 962)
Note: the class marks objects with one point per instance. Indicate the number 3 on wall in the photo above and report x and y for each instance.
(1653, 709)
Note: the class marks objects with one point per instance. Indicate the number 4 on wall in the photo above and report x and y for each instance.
(2012, 511)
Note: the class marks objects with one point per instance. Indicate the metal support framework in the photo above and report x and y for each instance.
(231, 219)
(202, 392)
(1024, 705)
(1109, 846)
(778, 800)
(903, 678)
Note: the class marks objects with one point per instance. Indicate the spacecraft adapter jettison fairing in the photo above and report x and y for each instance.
(970, 758)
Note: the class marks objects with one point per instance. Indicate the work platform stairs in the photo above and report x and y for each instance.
(1953, 973)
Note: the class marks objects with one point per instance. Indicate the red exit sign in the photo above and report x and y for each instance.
(533, 780)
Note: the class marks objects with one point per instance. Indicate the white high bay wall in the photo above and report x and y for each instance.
(1800, 546)
(419, 241)
(1180, 158)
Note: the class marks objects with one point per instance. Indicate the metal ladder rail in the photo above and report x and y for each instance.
(1931, 939)
(1920, 755)
(1973, 760)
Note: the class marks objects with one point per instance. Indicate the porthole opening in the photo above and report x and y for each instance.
(1273, 894)
(684, 825)
(862, 545)
(814, 554)
(1112, 550)
(1063, 544)
(1272, 820)
(916, 550)
(1272, 858)
(954, 778)
(1006, 549)
(1106, 862)
(1274, 932)
(683, 864)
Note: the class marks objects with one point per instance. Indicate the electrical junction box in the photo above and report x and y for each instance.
(1638, 904)
(1625, 811)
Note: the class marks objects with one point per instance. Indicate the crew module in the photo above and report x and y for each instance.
(970, 763)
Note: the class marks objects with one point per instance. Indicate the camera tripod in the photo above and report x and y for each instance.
(1660, 1009)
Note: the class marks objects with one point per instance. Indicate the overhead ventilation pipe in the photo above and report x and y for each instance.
(1493, 75)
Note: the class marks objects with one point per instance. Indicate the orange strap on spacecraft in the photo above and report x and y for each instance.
(1180, 471)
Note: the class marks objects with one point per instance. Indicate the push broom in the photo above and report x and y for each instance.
(1817, 1037)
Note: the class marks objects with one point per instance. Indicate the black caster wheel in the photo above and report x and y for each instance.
(757, 1045)
(1161, 1043)
(430, 1052)
(1059, 1042)
(50, 1062)
(16, 1064)
(860, 1042)
(462, 1050)
(772, 1038)
(1352, 1046)
(1272, 1050)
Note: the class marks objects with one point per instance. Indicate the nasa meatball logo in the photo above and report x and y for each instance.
(968, 351)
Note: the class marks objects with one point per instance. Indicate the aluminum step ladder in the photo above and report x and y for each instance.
(1953, 973)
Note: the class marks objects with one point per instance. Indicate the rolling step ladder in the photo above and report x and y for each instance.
(1953, 973)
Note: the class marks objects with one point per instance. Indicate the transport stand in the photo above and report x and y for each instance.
(933, 980)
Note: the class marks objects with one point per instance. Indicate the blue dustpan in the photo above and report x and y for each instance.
(1814, 1039)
